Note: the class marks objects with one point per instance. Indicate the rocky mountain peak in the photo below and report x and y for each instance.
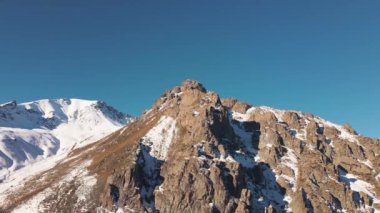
(192, 85)
(195, 152)
(187, 97)
(188, 86)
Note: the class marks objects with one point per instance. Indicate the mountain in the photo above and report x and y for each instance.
(193, 151)
(38, 130)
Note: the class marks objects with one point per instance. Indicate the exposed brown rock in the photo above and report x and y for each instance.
(236, 105)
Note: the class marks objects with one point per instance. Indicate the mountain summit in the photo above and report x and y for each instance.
(193, 151)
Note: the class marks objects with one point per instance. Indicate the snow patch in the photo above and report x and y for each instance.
(288, 200)
(83, 191)
(119, 210)
(367, 163)
(245, 136)
(177, 94)
(195, 113)
(267, 194)
(278, 113)
(378, 177)
(358, 185)
(344, 134)
(290, 160)
(160, 137)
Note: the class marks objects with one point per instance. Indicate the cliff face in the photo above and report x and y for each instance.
(195, 152)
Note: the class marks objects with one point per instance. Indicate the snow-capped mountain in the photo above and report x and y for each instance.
(193, 151)
(33, 131)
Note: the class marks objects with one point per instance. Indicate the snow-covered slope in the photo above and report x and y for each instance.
(33, 131)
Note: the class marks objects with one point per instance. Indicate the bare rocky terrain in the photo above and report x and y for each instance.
(193, 151)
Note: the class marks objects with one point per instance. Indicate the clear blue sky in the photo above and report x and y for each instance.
(316, 56)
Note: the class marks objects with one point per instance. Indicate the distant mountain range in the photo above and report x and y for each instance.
(192, 151)
(33, 131)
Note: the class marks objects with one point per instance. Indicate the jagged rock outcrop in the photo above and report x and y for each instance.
(195, 152)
